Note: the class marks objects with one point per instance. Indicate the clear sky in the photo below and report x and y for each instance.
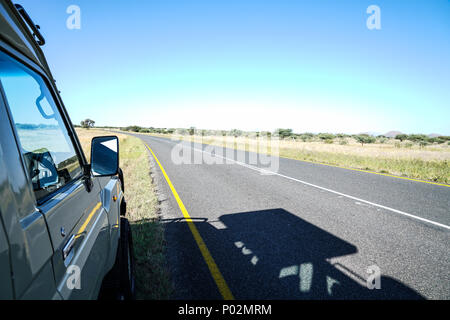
(252, 65)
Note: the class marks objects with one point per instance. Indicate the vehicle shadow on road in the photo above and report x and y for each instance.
(273, 254)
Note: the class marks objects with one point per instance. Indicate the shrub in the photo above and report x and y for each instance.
(326, 137)
(236, 133)
(133, 128)
(437, 140)
(88, 123)
(283, 133)
(417, 137)
(306, 136)
(401, 137)
(365, 138)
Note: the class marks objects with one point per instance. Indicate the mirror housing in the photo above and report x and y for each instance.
(105, 156)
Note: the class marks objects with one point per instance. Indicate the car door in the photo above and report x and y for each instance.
(72, 206)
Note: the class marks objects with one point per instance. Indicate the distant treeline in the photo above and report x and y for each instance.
(363, 138)
(29, 126)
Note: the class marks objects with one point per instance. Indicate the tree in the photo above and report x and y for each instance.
(133, 128)
(306, 136)
(87, 124)
(236, 133)
(326, 137)
(417, 137)
(283, 133)
(365, 138)
(401, 137)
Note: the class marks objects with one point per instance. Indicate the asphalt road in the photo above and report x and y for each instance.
(308, 232)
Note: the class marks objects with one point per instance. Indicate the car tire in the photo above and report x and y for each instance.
(119, 283)
(127, 289)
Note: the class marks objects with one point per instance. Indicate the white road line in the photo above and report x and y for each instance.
(328, 190)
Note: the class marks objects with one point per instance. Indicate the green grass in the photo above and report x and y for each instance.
(152, 276)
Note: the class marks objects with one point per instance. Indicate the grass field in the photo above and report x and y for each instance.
(152, 278)
(430, 163)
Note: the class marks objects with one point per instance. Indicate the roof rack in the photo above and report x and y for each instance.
(34, 27)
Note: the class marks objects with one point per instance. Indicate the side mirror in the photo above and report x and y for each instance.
(105, 156)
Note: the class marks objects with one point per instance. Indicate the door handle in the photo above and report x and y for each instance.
(68, 247)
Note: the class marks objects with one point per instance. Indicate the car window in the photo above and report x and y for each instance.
(50, 158)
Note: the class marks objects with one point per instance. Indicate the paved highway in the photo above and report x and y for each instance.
(309, 231)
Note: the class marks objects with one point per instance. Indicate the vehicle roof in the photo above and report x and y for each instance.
(15, 32)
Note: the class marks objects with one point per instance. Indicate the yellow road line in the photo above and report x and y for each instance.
(83, 227)
(212, 266)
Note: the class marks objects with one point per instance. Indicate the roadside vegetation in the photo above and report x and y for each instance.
(414, 156)
(152, 277)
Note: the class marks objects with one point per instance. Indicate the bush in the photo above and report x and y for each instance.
(401, 137)
(437, 140)
(283, 133)
(236, 133)
(133, 128)
(326, 137)
(417, 137)
(365, 138)
(306, 136)
(88, 123)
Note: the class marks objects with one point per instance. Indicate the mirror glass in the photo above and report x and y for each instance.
(105, 156)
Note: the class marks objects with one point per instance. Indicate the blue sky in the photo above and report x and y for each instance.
(253, 65)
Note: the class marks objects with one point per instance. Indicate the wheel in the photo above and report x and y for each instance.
(119, 283)
(127, 289)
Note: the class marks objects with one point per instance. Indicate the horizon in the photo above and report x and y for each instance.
(253, 66)
(372, 133)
